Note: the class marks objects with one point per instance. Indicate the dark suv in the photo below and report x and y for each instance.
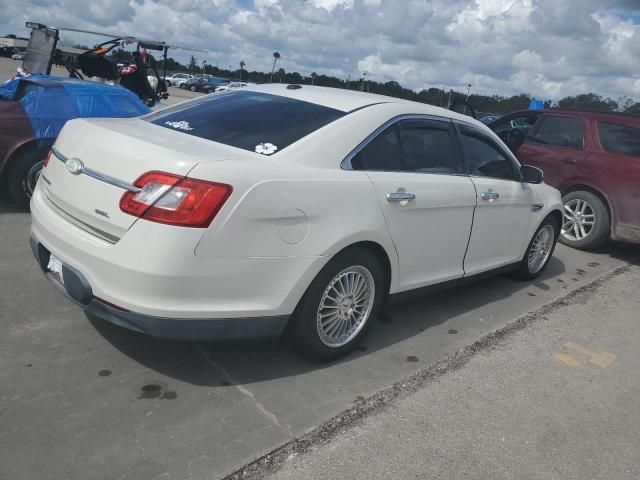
(205, 84)
(593, 158)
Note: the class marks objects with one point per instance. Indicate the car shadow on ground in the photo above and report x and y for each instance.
(245, 362)
(9, 206)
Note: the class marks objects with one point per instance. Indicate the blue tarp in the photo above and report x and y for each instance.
(51, 101)
(536, 105)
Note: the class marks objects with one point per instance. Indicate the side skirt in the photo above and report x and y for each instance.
(422, 291)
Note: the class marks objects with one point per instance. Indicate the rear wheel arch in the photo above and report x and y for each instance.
(45, 145)
(382, 256)
(22, 169)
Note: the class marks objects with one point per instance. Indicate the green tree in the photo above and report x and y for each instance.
(635, 108)
(588, 101)
(193, 65)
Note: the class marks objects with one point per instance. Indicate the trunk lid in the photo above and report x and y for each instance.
(114, 153)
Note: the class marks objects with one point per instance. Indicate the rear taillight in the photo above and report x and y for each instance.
(47, 158)
(174, 200)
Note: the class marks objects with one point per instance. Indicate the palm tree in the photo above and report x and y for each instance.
(276, 56)
(242, 64)
(314, 75)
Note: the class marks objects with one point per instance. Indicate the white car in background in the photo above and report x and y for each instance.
(178, 79)
(231, 86)
(241, 214)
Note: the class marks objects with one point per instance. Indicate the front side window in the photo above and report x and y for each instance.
(524, 123)
(561, 132)
(258, 122)
(619, 139)
(484, 158)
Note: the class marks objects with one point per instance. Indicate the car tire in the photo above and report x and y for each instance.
(540, 250)
(586, 207)
(316, 328)
(24, 172)
(192, 88)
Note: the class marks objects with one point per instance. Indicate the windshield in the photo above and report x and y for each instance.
(258, 122)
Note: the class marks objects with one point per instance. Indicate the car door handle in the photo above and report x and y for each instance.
(570, 160)
(490, 195)
(400, 197)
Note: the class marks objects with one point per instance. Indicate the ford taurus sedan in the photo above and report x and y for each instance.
(273, 208)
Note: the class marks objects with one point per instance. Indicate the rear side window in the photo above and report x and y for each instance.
(382, 153)
(484, 158)
(258, 122)
(427, 147)
(423, 146)
(619, 139)
(561, 132)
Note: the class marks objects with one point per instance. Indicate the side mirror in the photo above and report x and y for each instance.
(531, 174)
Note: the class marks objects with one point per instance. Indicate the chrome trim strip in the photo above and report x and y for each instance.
(346, 162)
(59, 155)
(98, 175)
(111, 180)
(536, 207)
(107, 237)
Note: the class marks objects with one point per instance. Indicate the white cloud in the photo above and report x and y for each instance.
(547, 48)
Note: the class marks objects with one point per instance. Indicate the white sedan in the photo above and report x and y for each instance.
(231, 86)
(178, 79)
(243, 213)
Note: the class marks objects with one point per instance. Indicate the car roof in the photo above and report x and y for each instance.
(336, 98)
(591, 114)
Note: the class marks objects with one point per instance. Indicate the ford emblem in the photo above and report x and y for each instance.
(75, 166)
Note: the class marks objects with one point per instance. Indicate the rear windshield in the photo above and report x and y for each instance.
(258, 122)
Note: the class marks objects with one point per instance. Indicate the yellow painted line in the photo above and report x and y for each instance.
(601, 359)
(567, 360)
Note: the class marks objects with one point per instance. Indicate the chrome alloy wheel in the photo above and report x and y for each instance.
(540, 249)
(578, 220)
(345, 306)
(33, 175)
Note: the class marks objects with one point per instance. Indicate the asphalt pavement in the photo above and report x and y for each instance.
(555, 397)
(82, 399)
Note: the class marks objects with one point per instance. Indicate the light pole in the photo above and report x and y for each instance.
(364, 79)
(348, 80)
(204, 66)
(276, 56)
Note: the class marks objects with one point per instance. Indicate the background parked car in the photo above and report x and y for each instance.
(593, 158)
(205, 84)
(487, 118)
(231, 86)
(18, 56)
(178, 79)
(34, 109)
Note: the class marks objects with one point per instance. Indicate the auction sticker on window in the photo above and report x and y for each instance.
(55, 268)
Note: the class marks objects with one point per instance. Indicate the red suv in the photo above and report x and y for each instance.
(593, 158)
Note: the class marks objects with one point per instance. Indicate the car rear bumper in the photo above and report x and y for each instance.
(150, 280)
(77, 289)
